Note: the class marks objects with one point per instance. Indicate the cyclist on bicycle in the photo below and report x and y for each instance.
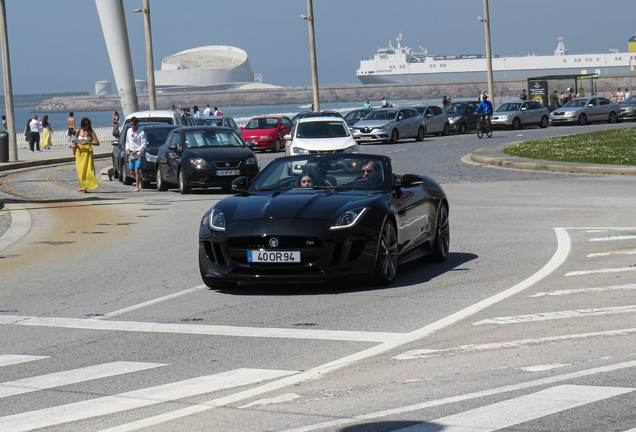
(485, 107)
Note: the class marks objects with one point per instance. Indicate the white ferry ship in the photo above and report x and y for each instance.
(403, 65)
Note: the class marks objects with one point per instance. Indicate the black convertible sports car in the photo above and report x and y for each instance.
(311, 218)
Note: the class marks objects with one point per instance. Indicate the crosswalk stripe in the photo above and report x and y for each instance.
(519, 410)
(200, 329)
(613, 238)
(585, 290)
(612, 252)
(546, 316)
(135, 399)
(74, 376)
(604, 270)
(11, 359)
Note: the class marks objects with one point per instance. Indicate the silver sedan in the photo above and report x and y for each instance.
(390, 124)
(519, 114)
(585, 110)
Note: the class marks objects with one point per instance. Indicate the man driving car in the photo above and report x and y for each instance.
(372, 171)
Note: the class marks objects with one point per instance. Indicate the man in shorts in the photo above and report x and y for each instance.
(70, 121)
(135, 146)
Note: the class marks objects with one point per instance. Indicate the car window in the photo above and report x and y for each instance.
(175, 139)
(233, 124)
(323, 129)
(211, 138)
(262, 123)
(576, 103)
(592, 102)
(286, 122)
(166, 120)
(404, 114)
(510, 107)
(356, 115)
(455, 108)
(436, 110)
(381, 115)
(412, 112)
(536, 105)
(202, 121)
(472, 107)
(603, 101)
(155, 137)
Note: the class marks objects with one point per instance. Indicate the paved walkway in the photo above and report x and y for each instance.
(57, 154)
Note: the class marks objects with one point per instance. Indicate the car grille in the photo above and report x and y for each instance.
(325, 151)
(227, 164)
(558, 112)
(310, 248)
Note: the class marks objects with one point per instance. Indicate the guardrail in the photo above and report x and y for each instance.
(104, 134)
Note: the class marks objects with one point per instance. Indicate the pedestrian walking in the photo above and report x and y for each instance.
(70, 121)
(217, 111)
(27, 132)
(83, 142)
(195, 110)
(523, 96)
(135, 146)
(570, 95)
(384, 103)
(367, 103)
(116, 124)
(627, 94)
(207, 111)
(562, 99)
(554, 100)
(47, 133)
(35, 125)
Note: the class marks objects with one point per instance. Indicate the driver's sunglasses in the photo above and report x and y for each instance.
(369, 171)
(134, 123)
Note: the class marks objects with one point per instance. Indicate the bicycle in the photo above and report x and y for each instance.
(483, 128)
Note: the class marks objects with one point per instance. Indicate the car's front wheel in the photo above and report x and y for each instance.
(386, 260)
(395, 136)
(612, 117)
(420, 134)
(462, 128)
(442, 236)
(582, 119)
(277, 146)
(544, 122)
(161, 184)
(446, 130)
(516, 123)
(183, 187)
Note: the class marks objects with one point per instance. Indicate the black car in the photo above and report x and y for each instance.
(355, 116)
(311, 218)
(156, 134)
(202, 157)
(461, 116)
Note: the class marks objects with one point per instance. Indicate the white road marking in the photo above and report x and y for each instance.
(560, 255)
(586, 290)
(135, 399)
(612, 252)
(614, 238)
(149, 303)
(595, 230)
(74, 376)
(200, 329)
(546, 316)
(541, 368)
(599, 271)
(460, 398)
(20, 225)
(287, 397)
(508, 413)
(424, 353)
(11, 359)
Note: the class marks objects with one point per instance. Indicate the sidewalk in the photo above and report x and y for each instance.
(57, 154)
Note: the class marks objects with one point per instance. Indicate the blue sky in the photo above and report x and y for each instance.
(58, 45)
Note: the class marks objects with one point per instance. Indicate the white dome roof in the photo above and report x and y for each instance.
(214, 57)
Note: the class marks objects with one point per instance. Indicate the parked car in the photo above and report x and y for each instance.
(160, 116)
(356, 115)
(223, 121)
(584, 110)
(359, 220)
(156, 134)
(628, 109)
(202, 157)
(319, 135)
(267, 133)
(390, 125)
(461, 116)
(519, 114)
(435, 119)
(304, 114)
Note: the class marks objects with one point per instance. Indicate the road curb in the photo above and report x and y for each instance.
(495, 156)
(41, 162)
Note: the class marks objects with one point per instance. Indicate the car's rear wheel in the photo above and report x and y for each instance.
(420, 134)
(183, 187)
(544, 122)
(446, 130)
(442, 236)
(215, 283)
(115, 172)
(277, 146)
(516, 123)
(386, 260)
(395, 136)
(582, 119)
(612, 117)
(126, 178)
(161, 184)
(462, 128)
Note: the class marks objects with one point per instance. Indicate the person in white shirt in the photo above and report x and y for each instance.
(36, 126)
(195, 109)
(135, 146)
(207, 111)
(627, 94)
(217, 111)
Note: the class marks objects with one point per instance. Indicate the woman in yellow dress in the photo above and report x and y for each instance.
(85, 139)
(47, 133)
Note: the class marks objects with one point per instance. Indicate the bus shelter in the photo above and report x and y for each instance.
(538, 87)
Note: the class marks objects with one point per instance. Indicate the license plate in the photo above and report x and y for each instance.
(275, 257)
(228, 172)
(366, 138)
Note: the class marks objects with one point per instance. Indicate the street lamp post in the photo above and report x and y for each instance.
(152, 95)
(8, 86)
(486, 20)
(314, 62)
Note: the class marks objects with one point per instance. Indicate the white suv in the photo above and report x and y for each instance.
(320, 135)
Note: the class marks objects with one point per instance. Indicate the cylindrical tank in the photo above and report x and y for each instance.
(103, 88)
(141, 85)
(631, 44)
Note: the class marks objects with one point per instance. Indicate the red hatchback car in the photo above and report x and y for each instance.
(267, 132)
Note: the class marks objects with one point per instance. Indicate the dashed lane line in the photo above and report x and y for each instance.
(11, 359)
(626, 251)
(614, 238)
(547, 316)
(585, 290)
(601, 271)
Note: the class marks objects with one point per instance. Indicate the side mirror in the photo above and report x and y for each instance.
(591, 105)
(241, 128)
(524, 109)
(287, 137)
(410, 180)
(239, 184)
(251, 144)
(400, 118)
(172, 147)
(429, 115)
(284, 127)
(115, 142)
(356, 134)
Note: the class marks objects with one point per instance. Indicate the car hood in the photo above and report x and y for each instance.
(298, 204)
(324, 144)
(218, 153)
(257, 133)
(372, 123)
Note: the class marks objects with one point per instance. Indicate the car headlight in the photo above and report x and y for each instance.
(266, 137)
(570, 113)
(199, 163)
(382, 128)
(151, 158)
(217, 220)
(503, 117)
(348, 219)
(352, 149)
(250, 161)
(299, 150)
(455, 119)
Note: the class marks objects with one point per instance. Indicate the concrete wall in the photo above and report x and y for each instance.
(511, 87)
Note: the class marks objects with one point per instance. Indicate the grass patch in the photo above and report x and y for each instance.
(612, 147)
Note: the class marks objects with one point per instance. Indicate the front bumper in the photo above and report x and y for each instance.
(208, 177)
(563, 119)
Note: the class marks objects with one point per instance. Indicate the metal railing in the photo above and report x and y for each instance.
(59, 137)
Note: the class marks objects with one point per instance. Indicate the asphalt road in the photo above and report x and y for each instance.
(528, 326)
